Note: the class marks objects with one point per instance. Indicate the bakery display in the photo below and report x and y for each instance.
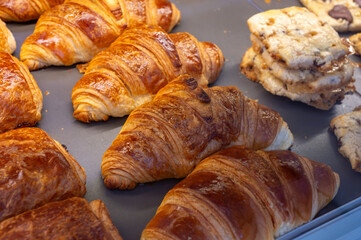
(7, 40)
(21, 99)
(34, 170)
(238, 193)
(183, 124)
(297, 55)
(24, 10)
(342, 15)
(77, 30)
(136, 66)
(347, 128)
(72, 218)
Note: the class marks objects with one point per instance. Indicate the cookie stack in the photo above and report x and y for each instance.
(297, 55)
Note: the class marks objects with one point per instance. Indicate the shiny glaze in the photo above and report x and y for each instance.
(140, 62)
(238, 193)
(21, 99)
(69, 219)
(25, 10)
(34, 171)
(76, 31)
(182, 125)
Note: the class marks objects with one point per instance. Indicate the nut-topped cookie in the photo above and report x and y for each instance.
(342, 15)
(298, 38)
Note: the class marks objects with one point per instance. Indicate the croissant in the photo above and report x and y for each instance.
(182, 125)
(77, 30)
(238, 193)
(21, 100)
(24, 10)
(133, 69)
(73, 218)
(7, 40)
(35, 169)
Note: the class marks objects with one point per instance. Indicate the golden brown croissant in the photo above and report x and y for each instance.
(238, 193)
(133, 69)
(34, 170)
(78, 29)
(182, 125)
(21, 99)
(24, 10)
(7, 40)
(73, 218)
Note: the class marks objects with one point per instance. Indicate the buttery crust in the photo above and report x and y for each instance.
(77, 30)
(183, 124)
(21, 99)
(240, 192)
(7, 40)
(73, 218)
(35, 170)
(347, 128)
(133, 69)
(24, 10)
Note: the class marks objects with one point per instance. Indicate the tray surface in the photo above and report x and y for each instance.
(220, 22)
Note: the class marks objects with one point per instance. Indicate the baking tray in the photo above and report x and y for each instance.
(224, 23)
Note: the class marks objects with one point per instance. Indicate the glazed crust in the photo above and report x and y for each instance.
(240, 192)
(183, 124)
(35, 170)
(133, 69)
(24, 10)
(73, 218)
(7, 40)
(77, 30)
(21, 99)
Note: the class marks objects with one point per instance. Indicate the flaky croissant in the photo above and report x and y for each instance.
(133, 69)
(77, 30)
(182, 125)
(21, 100)
(35, 169)
(238, 193)
(7, 40)
(24, 10)
(73, 218)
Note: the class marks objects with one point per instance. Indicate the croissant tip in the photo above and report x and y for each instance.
(117, 182)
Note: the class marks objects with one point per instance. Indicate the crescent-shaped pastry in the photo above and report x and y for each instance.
(7, 40)
(183, 124)
(73, 218)
(24, 10)
(139, 63)
(21, 100)
(238, 193)
(35, 169)
(77, 30)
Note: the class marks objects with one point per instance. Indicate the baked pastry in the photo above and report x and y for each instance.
(7, 40)
(347, 128)
(355, 41)
(21, 99)
(297, 55)
(342, 15)
(183, 124)
(239, 192)
(73, 218)
(254, 68)
(24, 10)
(77, 30)
(133, 69)
(35, 169)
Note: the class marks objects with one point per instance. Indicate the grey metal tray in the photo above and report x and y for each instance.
(224, 23)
